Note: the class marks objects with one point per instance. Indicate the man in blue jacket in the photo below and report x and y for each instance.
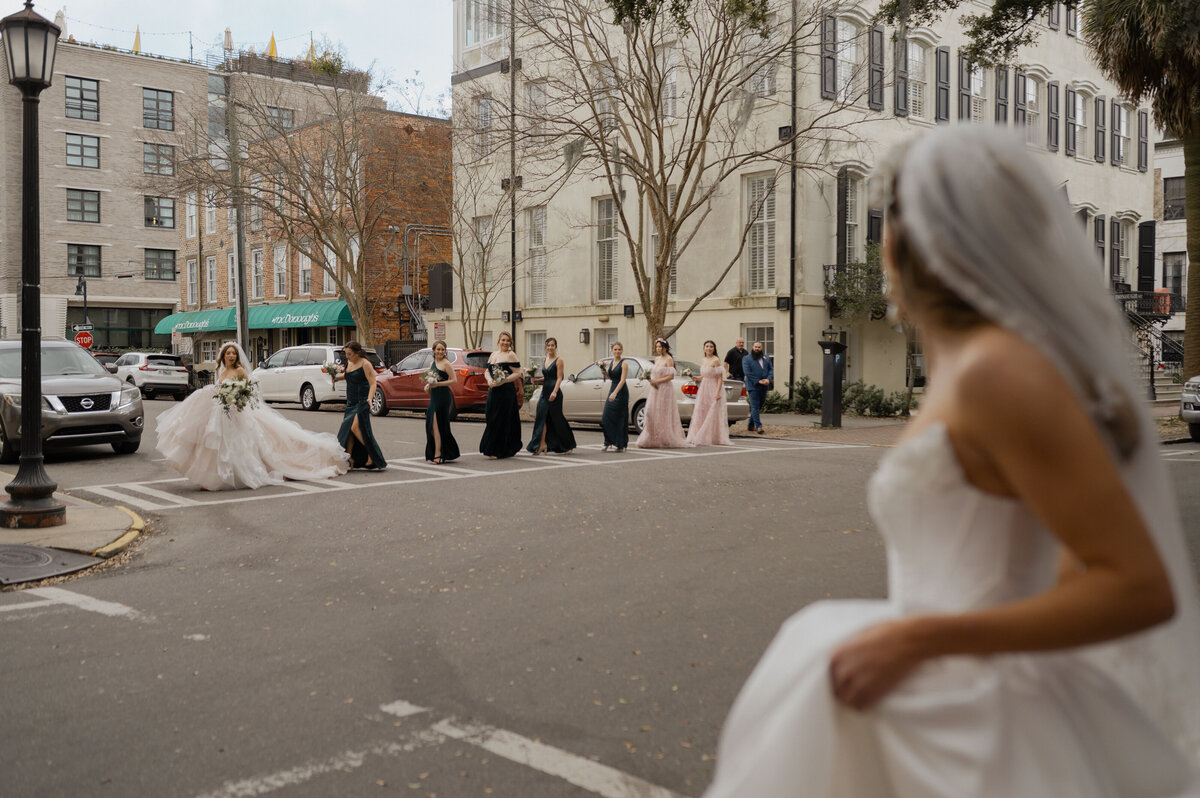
(760, 372)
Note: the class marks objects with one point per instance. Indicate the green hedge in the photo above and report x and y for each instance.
(858, 398)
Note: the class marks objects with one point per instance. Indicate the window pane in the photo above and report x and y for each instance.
(160, 212)
(158, 109)
(1174, 198)
(158, 159)
(83, 98)
(83, 259)
(160, 264)
(83, 151)
(83, 206)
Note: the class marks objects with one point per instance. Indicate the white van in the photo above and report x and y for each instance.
(295, 374)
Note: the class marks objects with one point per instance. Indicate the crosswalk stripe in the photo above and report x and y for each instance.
(126, 498)
(160, 494)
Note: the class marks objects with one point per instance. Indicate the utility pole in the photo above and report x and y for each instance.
(514, 181)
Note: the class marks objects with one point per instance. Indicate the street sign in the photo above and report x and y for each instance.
(83, 327)
(84, 339)
(439, 330)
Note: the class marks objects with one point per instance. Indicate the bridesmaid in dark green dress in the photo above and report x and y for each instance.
(502, 419)
(615, 419)
(440, 446)
(551, 432)
(355, 433)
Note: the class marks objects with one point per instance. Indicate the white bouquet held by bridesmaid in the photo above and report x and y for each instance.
(432, 376)
(236, 394)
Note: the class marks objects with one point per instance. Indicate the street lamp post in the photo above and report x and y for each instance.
(30, 41)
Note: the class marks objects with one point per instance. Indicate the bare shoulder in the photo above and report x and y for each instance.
(1005, 383)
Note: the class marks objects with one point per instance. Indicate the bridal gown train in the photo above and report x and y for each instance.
(250, 448)
(1006, 726)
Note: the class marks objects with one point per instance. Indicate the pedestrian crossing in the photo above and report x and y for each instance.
(176, 493)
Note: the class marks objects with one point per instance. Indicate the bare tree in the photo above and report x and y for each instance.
(315, 168)
(662, 109)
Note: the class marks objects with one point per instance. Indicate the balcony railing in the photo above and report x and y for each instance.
(1150, 304)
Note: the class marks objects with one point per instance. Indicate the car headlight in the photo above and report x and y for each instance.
(128, 394)
(13, 400)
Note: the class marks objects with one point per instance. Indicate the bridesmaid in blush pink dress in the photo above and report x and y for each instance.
(710, 416)
(663, 428)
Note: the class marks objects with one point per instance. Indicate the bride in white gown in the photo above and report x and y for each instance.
(1041, 632)
(245, 448)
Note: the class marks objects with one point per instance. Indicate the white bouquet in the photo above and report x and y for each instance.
(431, 376)
(236, 395)
(498, 373)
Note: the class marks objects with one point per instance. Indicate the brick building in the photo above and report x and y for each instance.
(339, 244)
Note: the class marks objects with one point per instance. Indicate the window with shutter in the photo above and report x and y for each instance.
(760, 243)
(1120, 133)
(853, 228)
(849, 58)
(1098, 227)
(1072, 21)
(193, 283)
(1116, 251)
(256, 274)
(1053, 16)
(606, 250)
(918, 80)
(1019, 89)
(828, 57)
(1071, 131)
(979, 95)
(1101, 133)
(964, 88)
(875, 68)
(1034, 100)
(942, 90)
(210, 280)
(537, 255)
(1001, 95)
(1143, 151)
(1052, 115)
(900, 86)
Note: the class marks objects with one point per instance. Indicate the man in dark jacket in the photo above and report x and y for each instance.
(733, 360)
(759, 372)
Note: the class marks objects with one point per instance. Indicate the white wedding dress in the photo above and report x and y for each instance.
(1007, 726)
(250, 448)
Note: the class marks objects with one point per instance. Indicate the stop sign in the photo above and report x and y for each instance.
(84, 339)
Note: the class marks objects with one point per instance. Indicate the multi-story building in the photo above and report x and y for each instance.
(356, 220)
(798, 232)
(1171, 255)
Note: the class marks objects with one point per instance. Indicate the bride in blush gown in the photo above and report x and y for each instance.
(246, 448)
(663, 428)
(710, 416)
(1041, 633)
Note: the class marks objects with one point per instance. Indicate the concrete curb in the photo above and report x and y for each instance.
(136, 526)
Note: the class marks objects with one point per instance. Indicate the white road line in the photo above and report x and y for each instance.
(426, 472)
(347, 760)
(125, 498)
(402, 709)
(159, 494)
(110, 608)
(591, 776)
(27, 605)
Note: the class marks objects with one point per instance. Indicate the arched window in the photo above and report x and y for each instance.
(1034, 121)
(849, 59)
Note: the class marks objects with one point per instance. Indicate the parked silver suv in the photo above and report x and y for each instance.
(82, 403)
(153, 373)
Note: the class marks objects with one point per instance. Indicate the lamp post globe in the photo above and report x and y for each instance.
(30, 42)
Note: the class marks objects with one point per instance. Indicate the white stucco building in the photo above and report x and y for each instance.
(573, 279)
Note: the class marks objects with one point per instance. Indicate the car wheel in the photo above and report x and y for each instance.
(127, 447)
(1194, 429)
(639, 417)
(379, 404)
(9, 452)
(308, 398)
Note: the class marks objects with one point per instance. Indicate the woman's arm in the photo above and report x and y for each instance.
(1024, 433)
(369, 371)
(558, 379)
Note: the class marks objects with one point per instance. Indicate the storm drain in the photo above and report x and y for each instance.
(20, 563)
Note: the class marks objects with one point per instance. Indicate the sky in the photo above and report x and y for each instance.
(397, 40)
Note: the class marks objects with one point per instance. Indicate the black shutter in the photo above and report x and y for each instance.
(1001, 96)
(1143, 140)
(1098, 225)
(942, 104)
(1052, 115)
(874, 226)
(1145, 281)
(1072, 21)
(875, 68)
(1054, 16)
(828, 57)
(1101, 136)
(1019, 98)
(900, 86)
(843, 182)
(1114, 250)
(964, 88)
(1072, 146)
(1114, 155)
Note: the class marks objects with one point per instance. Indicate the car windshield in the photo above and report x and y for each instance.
(56, 362)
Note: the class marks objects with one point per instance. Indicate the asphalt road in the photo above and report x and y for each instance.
(556, 626)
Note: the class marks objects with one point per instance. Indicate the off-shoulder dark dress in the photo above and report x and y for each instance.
(502, 428)
(559, 437)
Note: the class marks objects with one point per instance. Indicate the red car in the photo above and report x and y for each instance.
(402, 388)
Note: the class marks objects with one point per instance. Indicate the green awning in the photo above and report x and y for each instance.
(300, 314)
(197, 321)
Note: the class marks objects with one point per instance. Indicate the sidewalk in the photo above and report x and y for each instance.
(854, 429)
(91, 529)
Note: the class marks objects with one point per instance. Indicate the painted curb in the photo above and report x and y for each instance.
(136, 527)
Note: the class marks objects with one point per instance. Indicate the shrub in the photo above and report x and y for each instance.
(775, 403)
